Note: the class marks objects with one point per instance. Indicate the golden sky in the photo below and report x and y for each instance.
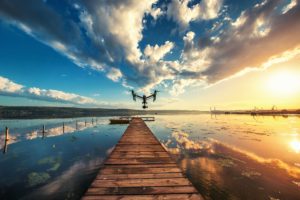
(277, 85)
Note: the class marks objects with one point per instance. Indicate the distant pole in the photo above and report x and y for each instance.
(6, 140)
(96, 120)
(63, 127)
(93, 121)
(44, 130)
(76, 125)
(85, 123)
(6, 133)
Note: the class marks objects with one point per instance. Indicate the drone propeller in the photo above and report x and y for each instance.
(154, 94)
(133, 95)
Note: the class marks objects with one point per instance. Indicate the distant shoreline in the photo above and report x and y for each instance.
(259, 112)
(35, 112)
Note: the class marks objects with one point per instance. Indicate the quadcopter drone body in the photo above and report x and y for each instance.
(144, 98)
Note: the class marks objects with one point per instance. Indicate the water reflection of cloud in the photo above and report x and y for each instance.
(291, 170)
(67, 181)
(184, 142)
(56, 130)
(11, 139)
(210, 146)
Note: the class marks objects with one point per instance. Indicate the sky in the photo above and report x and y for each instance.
(199, 54)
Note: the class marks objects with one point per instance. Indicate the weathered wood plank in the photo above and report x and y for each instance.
(142, 190)
(139, 155)
(141, 182)
(145, 197)
(143, 166)
(139, 170)
(143, 176)
(134, 161)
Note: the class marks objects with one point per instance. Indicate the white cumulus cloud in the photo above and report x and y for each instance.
(183, 14)
(10, 88)
(155, 53)
(114, 74)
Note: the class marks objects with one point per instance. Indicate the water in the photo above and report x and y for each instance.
(225, 156)
(54, 165)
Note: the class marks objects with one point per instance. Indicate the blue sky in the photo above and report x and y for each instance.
(90, 53)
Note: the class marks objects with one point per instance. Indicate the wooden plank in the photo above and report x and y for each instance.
(139, 156)
(143, 166)
(139, 167)
(144, 176)
(141, 182)
(143, 160)
(138, 170)
(139, 148)
(142, 190)
(145, 197)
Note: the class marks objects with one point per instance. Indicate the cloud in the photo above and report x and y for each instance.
(289, 6)
(263, 34)
(156, 13)
(9, 88)
(182, 13)
(155, 53)
(106, 36)
(118, 25)
(104, 33)
(259, 37)
(114, 74)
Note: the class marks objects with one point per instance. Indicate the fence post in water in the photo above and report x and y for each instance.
(93, 121)
(6, 133)
(6, 140)
(76, 125)
(63, 127)
(85, 123)
(44, 130)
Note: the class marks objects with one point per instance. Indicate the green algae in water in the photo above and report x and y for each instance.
(54, 162)
(35, 178)
(54, 167)
(46, 160)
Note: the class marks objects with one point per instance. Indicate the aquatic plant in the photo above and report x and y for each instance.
(35, 178)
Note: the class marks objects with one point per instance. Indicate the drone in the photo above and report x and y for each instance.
(144, 98)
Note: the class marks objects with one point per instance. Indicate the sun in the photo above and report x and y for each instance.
(284, 83)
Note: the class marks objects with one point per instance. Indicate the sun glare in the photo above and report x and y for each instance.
(295, 145)
(284, 83)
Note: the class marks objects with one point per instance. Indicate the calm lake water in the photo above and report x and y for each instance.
(225, 156)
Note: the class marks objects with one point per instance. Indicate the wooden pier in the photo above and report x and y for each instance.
(139, 167)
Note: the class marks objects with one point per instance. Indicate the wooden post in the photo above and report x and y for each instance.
(76, 125)
(6, 140)
(93, 121)
(6, 133)
(44, 131)
(63, 127)
(85, 123)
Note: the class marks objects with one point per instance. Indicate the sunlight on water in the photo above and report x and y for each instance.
(295, 145)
